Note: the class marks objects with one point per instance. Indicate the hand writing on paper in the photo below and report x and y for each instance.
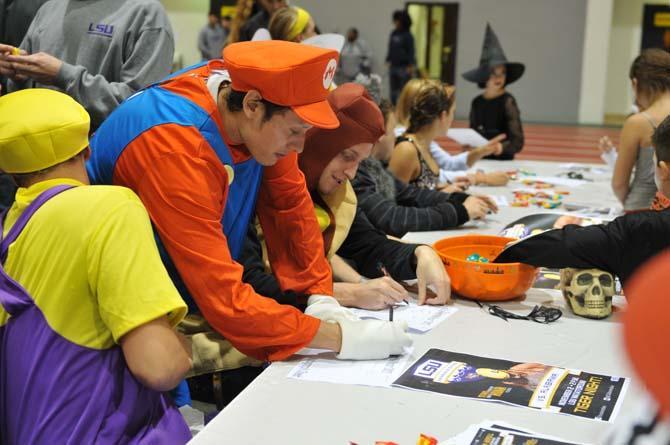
(379, 293)
(376, 294)
(430, 271)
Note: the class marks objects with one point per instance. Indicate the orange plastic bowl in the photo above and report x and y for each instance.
(483, 281)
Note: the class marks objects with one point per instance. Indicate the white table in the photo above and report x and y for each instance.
(277, 410)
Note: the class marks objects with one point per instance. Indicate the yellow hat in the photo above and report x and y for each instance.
(40, 128)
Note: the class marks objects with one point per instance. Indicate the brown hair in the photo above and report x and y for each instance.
(651, 69)
(405, 101)
(430, 101)
(27, 179)
(282, 22)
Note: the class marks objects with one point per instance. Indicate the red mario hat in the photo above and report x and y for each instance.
(287, 74)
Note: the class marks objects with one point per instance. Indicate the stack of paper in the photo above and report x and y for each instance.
(500, 200)
(533, 385)
(352, 372)
(418, 318)
(467, 136)
(489, 433)
(558, 181)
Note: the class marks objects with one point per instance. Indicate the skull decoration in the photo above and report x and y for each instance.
(588, 291)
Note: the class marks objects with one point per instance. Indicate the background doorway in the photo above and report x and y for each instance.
(435, 31)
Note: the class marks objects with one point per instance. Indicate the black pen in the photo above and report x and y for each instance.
(383, 270)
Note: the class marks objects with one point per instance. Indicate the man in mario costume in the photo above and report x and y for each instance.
(206, 149)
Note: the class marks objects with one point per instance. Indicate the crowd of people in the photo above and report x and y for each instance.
(164, 228)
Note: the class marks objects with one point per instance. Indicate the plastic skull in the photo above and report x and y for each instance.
(589, 291)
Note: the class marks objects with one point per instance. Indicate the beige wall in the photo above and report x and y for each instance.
(594, 58)
(577, 69)
(187, 18)
(546, 35)
(625, 41)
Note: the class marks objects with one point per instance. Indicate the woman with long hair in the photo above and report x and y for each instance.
(650, 79)
(453, 168)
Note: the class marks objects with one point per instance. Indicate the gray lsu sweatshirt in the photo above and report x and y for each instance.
(109, 48)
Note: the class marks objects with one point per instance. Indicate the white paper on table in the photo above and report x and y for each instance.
(586, 168)
(467, 136)
(556, 180)
(609, 157)
(575, 166)
(507, 431)
(418, 318)
(352, 372)
(591, 211)
(500, 200)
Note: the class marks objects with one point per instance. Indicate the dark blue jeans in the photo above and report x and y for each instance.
(398, 77)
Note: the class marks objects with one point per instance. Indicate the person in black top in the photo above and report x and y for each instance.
(495, 111)
(619, 247)
(400, 57)
(396, 208)
(261, 19)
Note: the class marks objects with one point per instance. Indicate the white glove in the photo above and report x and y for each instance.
(327, 308)
(372, 339)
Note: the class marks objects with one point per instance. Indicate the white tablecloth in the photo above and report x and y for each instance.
(277, 410)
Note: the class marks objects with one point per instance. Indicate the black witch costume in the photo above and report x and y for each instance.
(491, 117)
(619, 247)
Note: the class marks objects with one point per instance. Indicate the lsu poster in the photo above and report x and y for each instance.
(533, 385)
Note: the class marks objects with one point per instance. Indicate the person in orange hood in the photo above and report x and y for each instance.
(329, 162)
(208, 148)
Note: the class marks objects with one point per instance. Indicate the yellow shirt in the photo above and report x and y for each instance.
(89, 260)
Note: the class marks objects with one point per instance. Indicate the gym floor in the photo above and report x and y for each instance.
(561, 143)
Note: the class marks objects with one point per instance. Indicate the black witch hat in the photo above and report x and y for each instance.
(492, 56)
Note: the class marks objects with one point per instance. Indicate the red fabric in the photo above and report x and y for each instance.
(361, 121)
(646, 327)
(284, 197)
(184, 187)
(286, 73)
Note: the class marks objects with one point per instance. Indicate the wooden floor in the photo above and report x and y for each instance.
(554, 142)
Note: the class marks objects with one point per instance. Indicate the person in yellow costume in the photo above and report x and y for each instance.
(86, 306)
